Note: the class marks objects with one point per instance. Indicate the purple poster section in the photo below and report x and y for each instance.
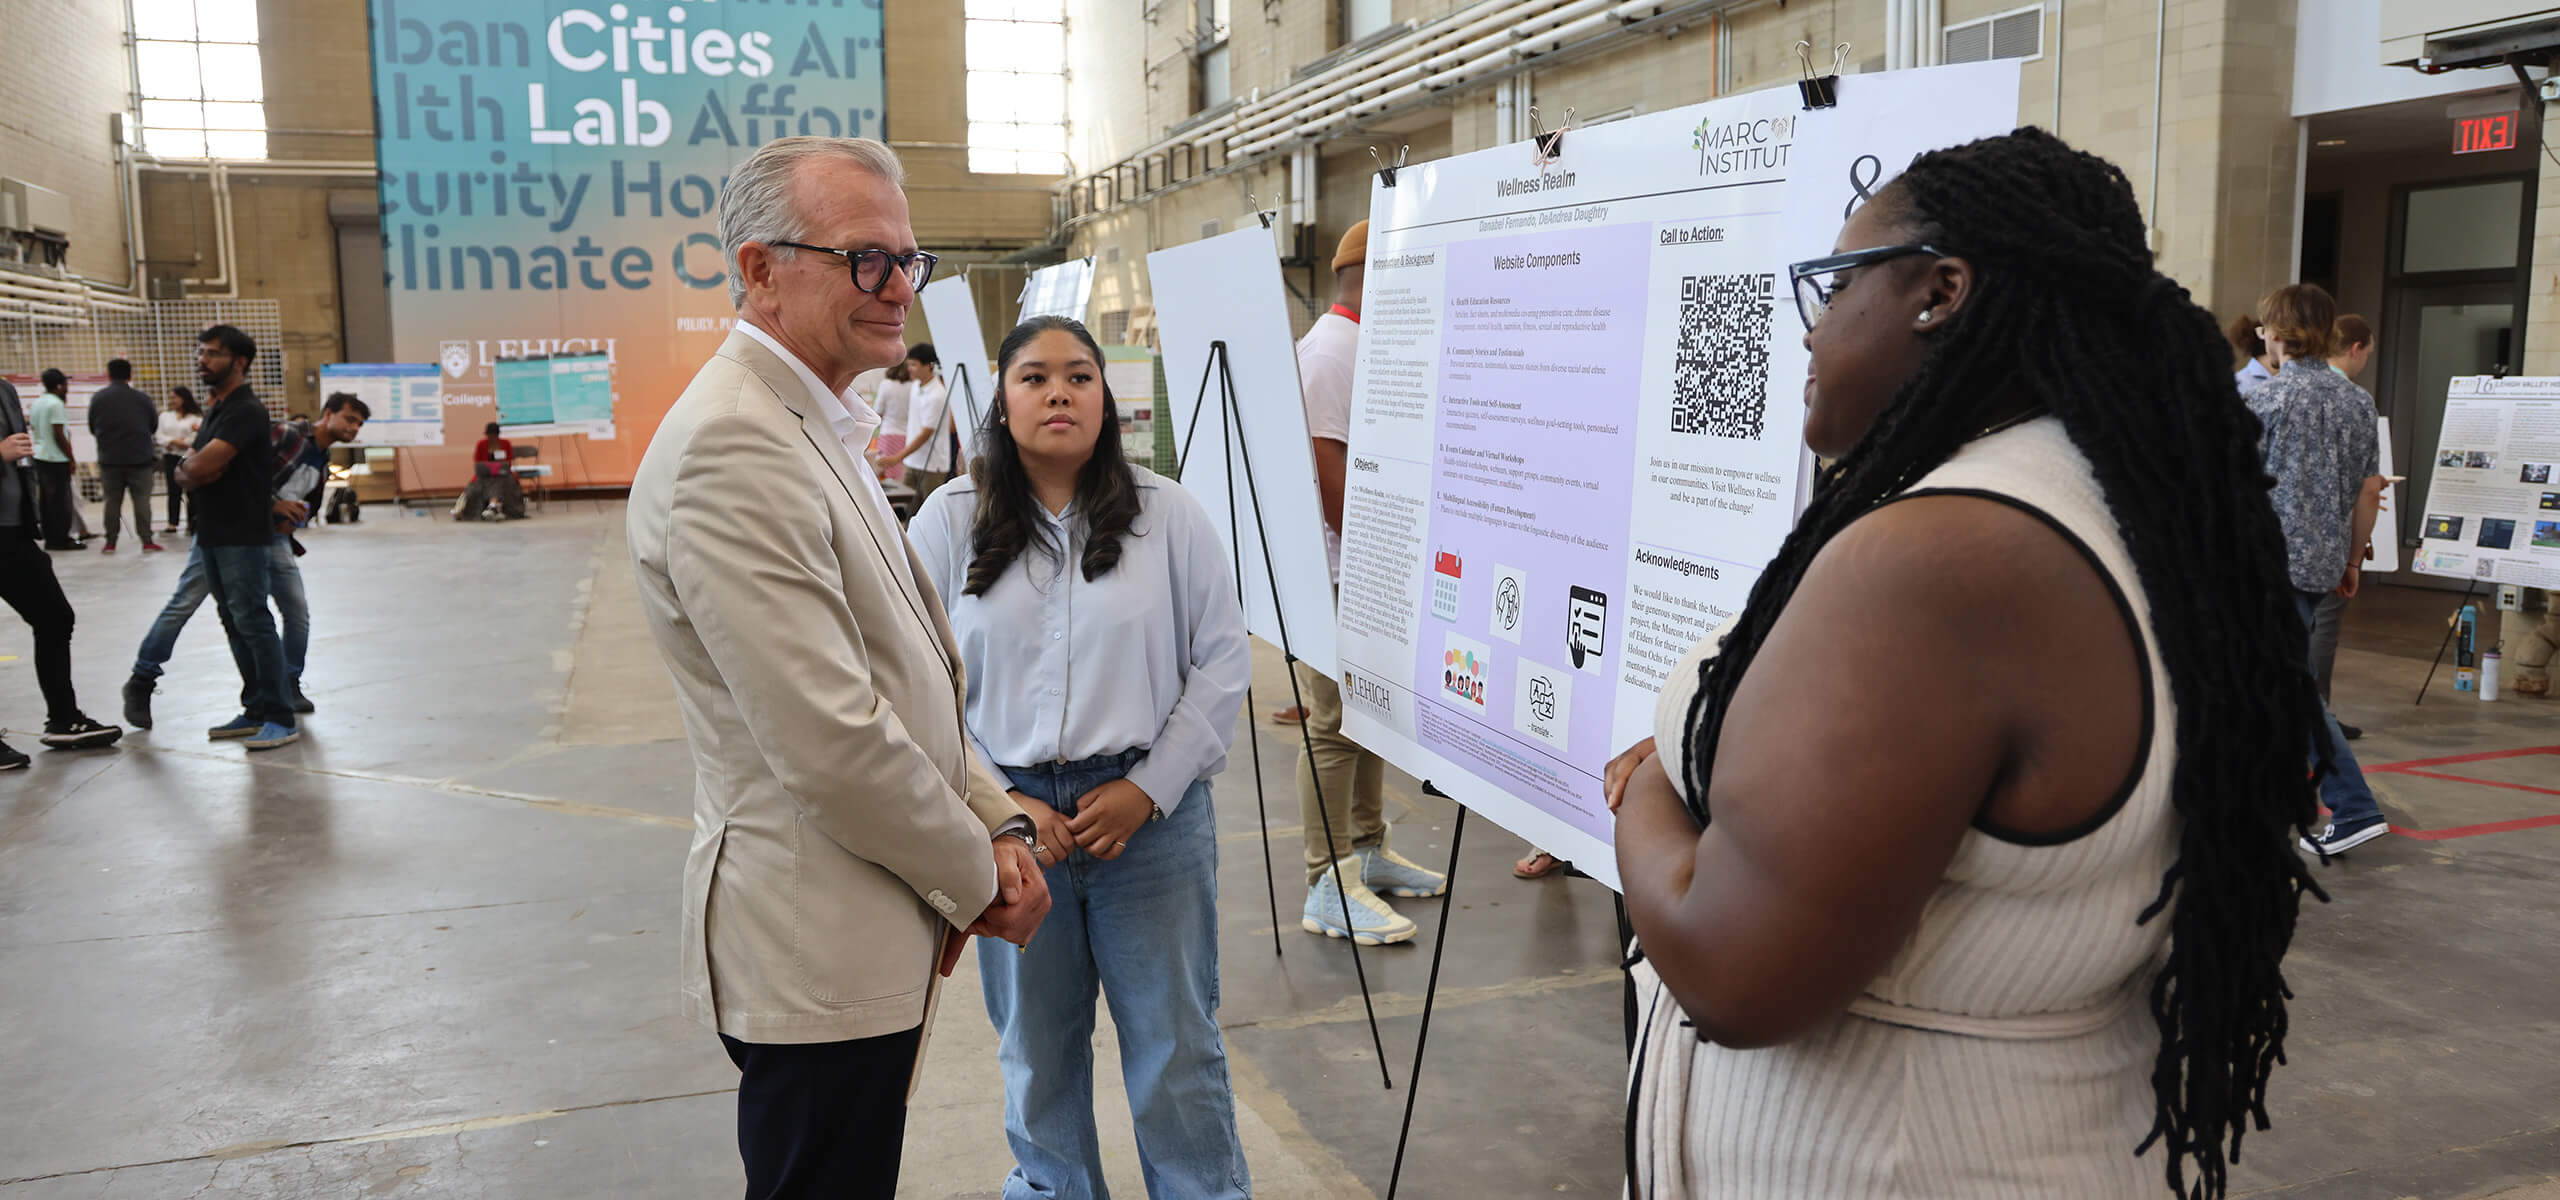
(1511, 366)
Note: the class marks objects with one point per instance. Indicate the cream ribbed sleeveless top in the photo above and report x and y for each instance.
(2027, 971)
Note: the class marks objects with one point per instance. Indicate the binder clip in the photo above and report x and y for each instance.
(1260, 213)
(1387, 170)
(1546, 145)
(1820, 91)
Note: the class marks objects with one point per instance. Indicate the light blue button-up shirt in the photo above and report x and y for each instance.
(1151, 655)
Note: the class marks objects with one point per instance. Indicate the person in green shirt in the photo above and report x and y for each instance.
(49, 419)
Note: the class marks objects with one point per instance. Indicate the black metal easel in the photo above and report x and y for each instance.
(1430, 990)
(1231, 411)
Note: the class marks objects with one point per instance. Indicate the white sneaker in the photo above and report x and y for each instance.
(1372, 922)
(1384, 870)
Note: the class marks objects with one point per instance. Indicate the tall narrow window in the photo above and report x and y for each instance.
(203, 91)
(1017, 60)
(1217, 81)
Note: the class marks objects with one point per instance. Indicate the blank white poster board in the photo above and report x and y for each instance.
(1228, 288)
(2383, 548)
(1577, 424)
(953, 314)
(2493, 501)
(1060, 291)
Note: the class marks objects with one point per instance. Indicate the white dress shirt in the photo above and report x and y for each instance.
(1151, 655)
(852, 425)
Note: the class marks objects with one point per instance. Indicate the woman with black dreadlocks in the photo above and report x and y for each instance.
(1999, 875)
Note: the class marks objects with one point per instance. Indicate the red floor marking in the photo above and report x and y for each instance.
(2464, 831)
(2513, 787)
(2458, 759)
(2417, 767)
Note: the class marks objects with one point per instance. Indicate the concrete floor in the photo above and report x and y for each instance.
(430, 951)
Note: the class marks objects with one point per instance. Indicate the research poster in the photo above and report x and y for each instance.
(1131, 373)
(1577, 424)
(2492, 505)
(1063, 290)
(406, 399)
(570, 394)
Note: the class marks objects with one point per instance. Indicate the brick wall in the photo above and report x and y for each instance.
(67, 74)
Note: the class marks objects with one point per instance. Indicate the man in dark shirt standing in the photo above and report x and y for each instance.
(125, 422)
(230, 474)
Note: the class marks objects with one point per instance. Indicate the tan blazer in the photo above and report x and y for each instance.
(840, 819)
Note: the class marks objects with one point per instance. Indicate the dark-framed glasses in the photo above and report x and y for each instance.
(1816, 279)
(871, 267)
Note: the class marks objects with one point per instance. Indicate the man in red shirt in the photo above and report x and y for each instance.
(493, 478)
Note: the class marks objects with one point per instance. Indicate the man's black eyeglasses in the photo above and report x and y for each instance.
(1814, 286)
(871, 267)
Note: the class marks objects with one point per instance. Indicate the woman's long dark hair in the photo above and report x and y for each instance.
(2068, 308)
(1009, 518)
(187, 406)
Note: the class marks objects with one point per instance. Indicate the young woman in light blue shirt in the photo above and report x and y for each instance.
(1097, 617)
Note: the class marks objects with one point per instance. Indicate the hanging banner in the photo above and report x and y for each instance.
(550, 183)
(1577, 424)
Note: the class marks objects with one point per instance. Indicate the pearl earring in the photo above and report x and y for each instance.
(1924, 317)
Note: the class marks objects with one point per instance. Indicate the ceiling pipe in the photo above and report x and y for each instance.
(1395, 57)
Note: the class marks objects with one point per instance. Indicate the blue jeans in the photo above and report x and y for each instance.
(1144, 928)
(284, 582)
(239, 578)
(2344, 790)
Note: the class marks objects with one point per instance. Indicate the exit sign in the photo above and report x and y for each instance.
(2484, 133)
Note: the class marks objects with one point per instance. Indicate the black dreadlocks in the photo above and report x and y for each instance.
(2069, 310)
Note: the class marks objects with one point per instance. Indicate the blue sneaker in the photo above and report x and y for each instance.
(1385, 871)
(272, 735)
(1372, 922)
(2337, 839)
(240, 726)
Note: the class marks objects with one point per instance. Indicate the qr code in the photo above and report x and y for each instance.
(1720, 369)
(2486, 568)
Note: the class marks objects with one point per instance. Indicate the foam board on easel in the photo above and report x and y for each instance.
(953, 314)
(1228, 289)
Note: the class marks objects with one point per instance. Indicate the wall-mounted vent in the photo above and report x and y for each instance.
(2018, 34)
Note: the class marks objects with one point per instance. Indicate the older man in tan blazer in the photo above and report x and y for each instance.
(846, 837)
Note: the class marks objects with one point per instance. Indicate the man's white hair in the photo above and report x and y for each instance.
(756, 206)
